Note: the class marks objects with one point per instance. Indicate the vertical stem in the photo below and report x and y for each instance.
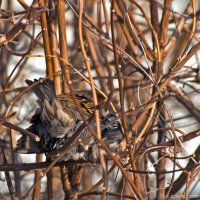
(121, 93)
(54, 51)
(65, 182)
(161, 161)
(63, 41)
(14, 160)
(97, 115)
(37, 181)
(46, 41)
(165, 22)
(50, 184)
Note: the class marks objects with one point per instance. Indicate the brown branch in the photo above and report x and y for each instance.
(46, 42)
(185, 101)
(37, 166)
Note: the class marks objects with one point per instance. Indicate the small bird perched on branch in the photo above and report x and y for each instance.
(57, 118)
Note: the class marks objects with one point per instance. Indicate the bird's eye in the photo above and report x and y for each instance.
(115, 126)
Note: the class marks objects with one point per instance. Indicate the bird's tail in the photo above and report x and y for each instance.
(43, 90)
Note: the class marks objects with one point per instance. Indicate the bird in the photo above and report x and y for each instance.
(57, 118)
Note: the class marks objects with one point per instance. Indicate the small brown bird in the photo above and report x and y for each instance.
(57, 118)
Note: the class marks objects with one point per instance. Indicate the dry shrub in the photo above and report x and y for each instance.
(143, 57)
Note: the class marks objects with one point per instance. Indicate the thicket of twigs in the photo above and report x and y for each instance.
(143, 56)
